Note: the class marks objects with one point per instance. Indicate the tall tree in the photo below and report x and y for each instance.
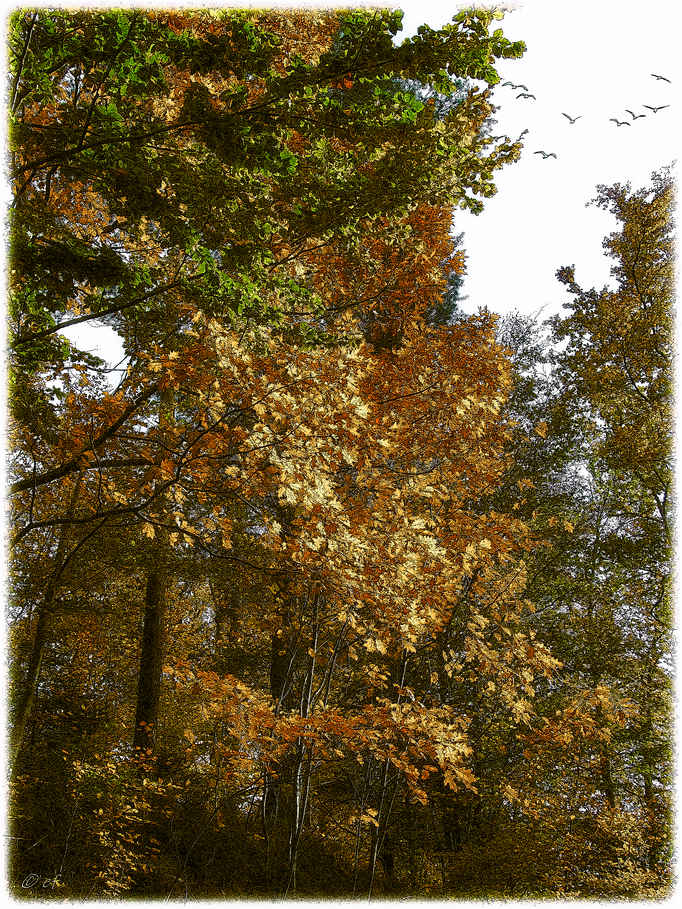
(617, 370)
(599, 581)
(619, 343)
(171, 165)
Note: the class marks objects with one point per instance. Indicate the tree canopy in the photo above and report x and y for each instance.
(325, 586)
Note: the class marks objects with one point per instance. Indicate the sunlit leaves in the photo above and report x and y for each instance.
(303, 445)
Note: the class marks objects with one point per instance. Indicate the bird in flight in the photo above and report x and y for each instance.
(573, 119)
(655, 109)
(619, 122)
(660, 77)
(524, 87)
(635, 116)
(545, 154)
(524, 95)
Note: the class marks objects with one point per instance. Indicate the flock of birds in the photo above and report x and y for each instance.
(526, 94)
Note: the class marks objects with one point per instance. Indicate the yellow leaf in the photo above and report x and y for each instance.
(370, 819)
(148, 530)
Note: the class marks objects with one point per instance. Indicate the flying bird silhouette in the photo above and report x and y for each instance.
(635, 116)
(660, 77)
(573, 119)
(524, 95)
(655, 109)
(545, 154)
(524, 87)
(620, 122)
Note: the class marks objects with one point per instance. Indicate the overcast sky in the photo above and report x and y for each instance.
(586, 58)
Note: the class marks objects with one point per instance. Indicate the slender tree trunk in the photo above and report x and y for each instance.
(283, 644)
(301, 778)
(44, 611)
(367, 782)
(153, 632)
(280, 659)
(151, 661)
(31, 686)
(384, 812)
(277, 807)
(608, 786)
(378, 832)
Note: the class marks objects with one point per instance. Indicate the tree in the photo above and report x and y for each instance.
(619, 349)
(372, 549)
(617, 370)
(220, 156)
(213, 152)
(599, 581)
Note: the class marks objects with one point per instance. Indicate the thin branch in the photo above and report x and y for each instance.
(75, 463)
(36, 336)
(20, 64)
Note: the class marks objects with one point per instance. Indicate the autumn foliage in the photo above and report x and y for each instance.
(272, 623)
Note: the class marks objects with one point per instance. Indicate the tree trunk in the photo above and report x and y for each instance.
(31, 686)
(151, 655)
(44, 611)
(280, 659)
(151, 660)
(283, 644)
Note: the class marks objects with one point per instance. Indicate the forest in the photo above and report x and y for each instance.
(327, 589)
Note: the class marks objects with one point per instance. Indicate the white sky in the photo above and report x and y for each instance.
(592, 58)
